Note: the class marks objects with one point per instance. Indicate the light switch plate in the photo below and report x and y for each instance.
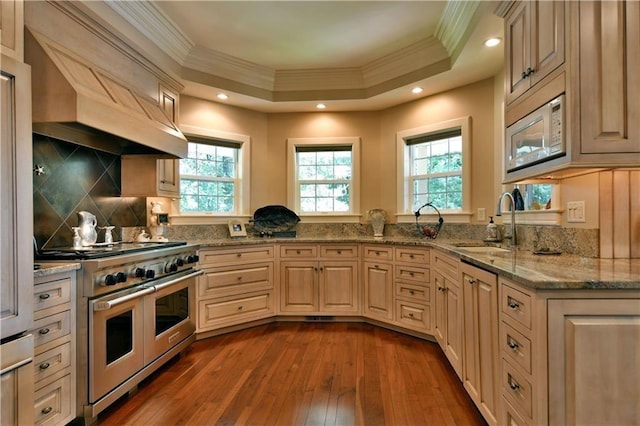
(575, 211)
(482, 214)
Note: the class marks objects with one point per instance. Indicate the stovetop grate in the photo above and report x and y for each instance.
(101, 250)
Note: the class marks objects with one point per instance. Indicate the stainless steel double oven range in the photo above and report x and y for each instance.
(135, 309)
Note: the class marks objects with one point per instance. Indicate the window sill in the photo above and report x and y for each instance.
(206, 219)
(329, 218)
(432, 216)
(552, 217)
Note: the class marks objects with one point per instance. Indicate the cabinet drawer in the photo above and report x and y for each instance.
(412, 291)
(229, 311)
(510, 415)
(53, 402)
(516, 305)
(225, 257)
(51, 294)
(52, 327)
(445, 264)
(52, 361)
(298, 251)
(409, 255)
(516, 388)
(339, 251)
(235, 279)
(419, 276)
(415, 315)
(515, 346)
(378, 253)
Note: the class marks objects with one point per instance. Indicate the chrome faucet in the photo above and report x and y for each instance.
(512, 237)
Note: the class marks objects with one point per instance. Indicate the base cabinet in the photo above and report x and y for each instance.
(480, 367)
(594, 348)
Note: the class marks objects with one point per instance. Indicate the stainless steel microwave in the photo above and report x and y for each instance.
(536, 138)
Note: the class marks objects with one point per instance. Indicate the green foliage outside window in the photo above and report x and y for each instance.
(324, 180)
(208, 179)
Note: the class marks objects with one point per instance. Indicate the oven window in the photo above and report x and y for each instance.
(119, 336)
(171, 310)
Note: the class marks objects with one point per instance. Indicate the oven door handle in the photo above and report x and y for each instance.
(105, 305)
(159, 287)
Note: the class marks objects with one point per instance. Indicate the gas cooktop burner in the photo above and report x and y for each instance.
(101, 250)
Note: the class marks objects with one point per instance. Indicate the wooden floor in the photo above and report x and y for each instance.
(291, 373)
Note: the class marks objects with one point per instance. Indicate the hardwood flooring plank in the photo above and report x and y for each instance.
(290, 373)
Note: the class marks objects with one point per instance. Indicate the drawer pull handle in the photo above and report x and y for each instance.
(411, 292)
(239, 278)
(376, 266)
(297, 251)
(411, 315)
(339, 251)
(411, 256)
(240, 307)
(44, 366)
(410, 273)
(472, 281)
(513, 344)
(239, 255)
(513, 384)
(47, 410)
(44, 331)
(45, 296)
(513, 305)
(377, 253)
(440, 288)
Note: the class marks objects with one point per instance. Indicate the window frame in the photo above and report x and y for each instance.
(293, 189)
(242, 191)
(404, 202)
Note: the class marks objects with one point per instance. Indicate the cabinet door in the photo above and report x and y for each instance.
(169, 177)
(517, 50)
(547, 38)
(593, 355)
(16, 211)
(12, 28)
(378, 290)
(338, 287)
(480, 372)
(298, 286)
(448, 327)
(609, 84)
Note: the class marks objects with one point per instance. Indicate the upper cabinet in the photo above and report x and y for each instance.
(149, 176)
(535, 40)
(12, 29)
(589, 52)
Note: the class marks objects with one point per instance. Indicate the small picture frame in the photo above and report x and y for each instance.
(237, 229)
(163, 218)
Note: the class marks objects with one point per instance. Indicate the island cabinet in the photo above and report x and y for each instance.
(54, 366)
(480, 366)
(413, 289)
(535, 45)
(319, 279)
(377, 267)
(237, 286)
(448, 325)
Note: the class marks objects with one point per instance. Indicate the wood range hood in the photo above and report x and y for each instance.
(78, 102)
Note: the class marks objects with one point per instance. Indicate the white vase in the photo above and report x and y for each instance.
(377, 217)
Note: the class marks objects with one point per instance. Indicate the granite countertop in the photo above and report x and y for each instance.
(540, 272)
(47, 268)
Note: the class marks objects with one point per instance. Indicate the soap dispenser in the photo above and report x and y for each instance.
(493, 234)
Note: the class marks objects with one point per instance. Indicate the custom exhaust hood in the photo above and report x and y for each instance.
(76, 101)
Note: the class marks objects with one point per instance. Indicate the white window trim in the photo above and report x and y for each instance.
(551, 217)
(293, 198)
(243, 193)
(403, 204)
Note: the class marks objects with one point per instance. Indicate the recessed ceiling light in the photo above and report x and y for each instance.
(321, 106)
(417, 90)
(491, 42)
(223, 96)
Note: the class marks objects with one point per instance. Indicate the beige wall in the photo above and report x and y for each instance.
(376, 130)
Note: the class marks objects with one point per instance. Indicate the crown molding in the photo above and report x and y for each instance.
(455, 23)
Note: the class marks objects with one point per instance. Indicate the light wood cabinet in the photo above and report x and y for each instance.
(413, 289)
(593, 358)
(149, 176)
(54, 367)
(481, 357)
(237, 286)
(535, 44)
(12, 29)
(448, 325)
(319, 279)
(378, 282)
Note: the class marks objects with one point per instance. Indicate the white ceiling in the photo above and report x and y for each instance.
(281, 56)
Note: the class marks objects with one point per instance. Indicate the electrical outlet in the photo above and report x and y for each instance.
(575, 211)
(482, 214)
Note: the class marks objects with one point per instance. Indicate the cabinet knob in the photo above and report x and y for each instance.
(44, 366)
(339, 251)
(411, 292)
(472, 281)
(47, 410)
(513, 384)
(297, 251)
(44, 296)
(240, 307)
(440, 288)
(239, 255)
(44, 331)
(411, 315)
(513, 305)
(239, 278)
(513, 344)
(411, 256)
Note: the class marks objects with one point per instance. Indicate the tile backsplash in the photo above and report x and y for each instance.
(78, 178)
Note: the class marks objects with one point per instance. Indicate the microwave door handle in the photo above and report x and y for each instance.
(159, 287)
(108, 304)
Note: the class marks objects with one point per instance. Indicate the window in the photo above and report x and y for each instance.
(432, 167)
(214, 178)
(324, 175)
